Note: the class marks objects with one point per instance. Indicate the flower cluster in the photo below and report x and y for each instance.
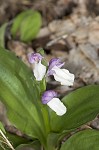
(61, 75)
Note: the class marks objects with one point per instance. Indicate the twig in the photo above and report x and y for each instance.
(7, 141)
(50, 43)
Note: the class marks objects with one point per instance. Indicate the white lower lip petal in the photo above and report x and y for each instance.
(39, 71)
(56, 105)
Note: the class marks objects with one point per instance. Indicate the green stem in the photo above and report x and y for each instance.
(49, 147)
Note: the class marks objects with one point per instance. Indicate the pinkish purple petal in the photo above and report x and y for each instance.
(34, 57)
(54, 62)
(48, 95)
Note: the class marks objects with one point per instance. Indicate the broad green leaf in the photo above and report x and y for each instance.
(2, 127)
(2, 34)
(83, 140)
(34, 146)
(18, 20)
(27, 25)
(30, 27)
(82, 106)
(20, 94)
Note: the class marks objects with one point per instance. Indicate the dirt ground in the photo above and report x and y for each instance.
(70, 31)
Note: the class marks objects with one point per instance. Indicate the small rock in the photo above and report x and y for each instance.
(95, 123)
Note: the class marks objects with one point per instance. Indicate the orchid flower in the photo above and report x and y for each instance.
(50, 98)
(61, 75)
(39, 69)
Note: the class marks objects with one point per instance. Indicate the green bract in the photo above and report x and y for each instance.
(26, 25)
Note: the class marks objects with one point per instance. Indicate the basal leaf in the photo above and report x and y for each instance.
(19, 93)
(30, 27)
(18, 20)
(33, 145)
(83, 140)
(27, 25)
(82, 106)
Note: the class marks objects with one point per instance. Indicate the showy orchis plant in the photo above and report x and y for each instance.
(39, 113)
